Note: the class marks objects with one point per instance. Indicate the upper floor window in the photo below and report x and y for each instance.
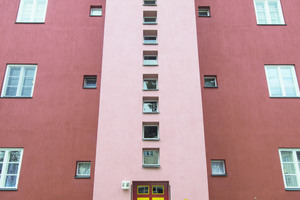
(96, 11)
(149, 2)
(290, 160)
(32, 11)
(19, 81)
(203, 12)
(10, 165)
(282, 81)
(268, 12)
(218, 167)
(83, 170)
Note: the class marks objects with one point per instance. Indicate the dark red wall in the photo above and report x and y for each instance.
(243, 125)
(58, 125)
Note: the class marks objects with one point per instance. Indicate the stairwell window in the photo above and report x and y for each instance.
(10, 166)
(150, 157)
(268, 12)
(150, 105)
(150, 17)
(19, 81)
(203, 11)
(32, 11)
(218, 168)
(150, 131)
(83, 170)
(290, 165)
(282, 81)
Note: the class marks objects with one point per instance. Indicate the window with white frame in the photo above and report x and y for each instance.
(268, 12)
(90, 81)
(10, 166)
(282, 81)
(83, 169)
(150, 104)
(203, 11)
(290, 165)
(19, 81)
(210, 81)
(150, 158)
(32, 11)
(218, 167)
(96, 11)
(150, 131)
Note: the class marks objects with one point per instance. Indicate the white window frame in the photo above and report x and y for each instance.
(33, 17)
(295, 81)
(149, 4)
(267, 11)
(150, 101)
(20, 81)
(223, 164)
(296, 164)
(205, 10)
(158, 158)
(96, 11)
(210, 77)
(78, 175)
(5, 168)
(150, 79)
(151, 125)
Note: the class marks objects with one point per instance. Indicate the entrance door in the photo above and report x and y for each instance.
(143, 190)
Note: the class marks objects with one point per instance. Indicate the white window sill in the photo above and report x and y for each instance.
(220, 174)
(150, 23)
(150, 64)
(8, 189)
(151, 166)
(15, 97)
(151, 139)
(150, 89)
(30, 22)
(151, 112)
(272, 24)
(292, 189)
(82, 176)
(291, 97)
(150, 43)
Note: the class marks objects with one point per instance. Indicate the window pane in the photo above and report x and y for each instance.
(274, 12)
(143, 189)
(14, 156)
(11, 181)
(13, 169)
(150, 84)
(2, 153)
(260, 11)
(26, 11)
(84, 168)
(289, 168)
(158, 189)
(291, 181)
(150, 106)
(150, 19)
(274, 82)
(287, 156)
(151, 157)
(217, 167)
(13, 81)
(150, 132)
(26, 92)
(15, 71)
(11, 91)
(1, 165)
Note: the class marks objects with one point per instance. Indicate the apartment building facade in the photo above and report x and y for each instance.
(149, 99)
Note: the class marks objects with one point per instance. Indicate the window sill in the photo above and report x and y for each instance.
(284, 97)
(89, 87)
(150, 43)
(95, 15)
(204, 16)
(150, 64)
(8, 189)
(4, 97)
(151, 166)
(210, 87)
(220, 174)
(150, 112)
(152, 23)
(150, 139)
(292, 189)
(149, 4)
(271, 24)
(150, 89)
(82, 177)
(29, 22)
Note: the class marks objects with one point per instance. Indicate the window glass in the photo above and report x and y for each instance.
(150, 131)
(218, 167)
(158, 189)
(150, 84)
(33, 11)
(268, 12)
(143, 190)
(151, 157)
(83, 168)
(150, 106)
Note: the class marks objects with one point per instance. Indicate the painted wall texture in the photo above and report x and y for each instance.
(243, 125)
(119, 154)
(58, 125)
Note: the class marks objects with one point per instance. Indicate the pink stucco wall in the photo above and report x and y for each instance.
(119, 141)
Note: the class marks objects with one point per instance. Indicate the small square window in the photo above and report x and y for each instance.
(150, 131)
(83, 170)
(150, 17)
(150, 36)
(203, 11)
(90, 82)
(150, 58)
(150, 158)
(218, 167)
(210, 81)
(149, 2)
(150, 82)
(96, 11)
(150, 105)
(19, 81)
